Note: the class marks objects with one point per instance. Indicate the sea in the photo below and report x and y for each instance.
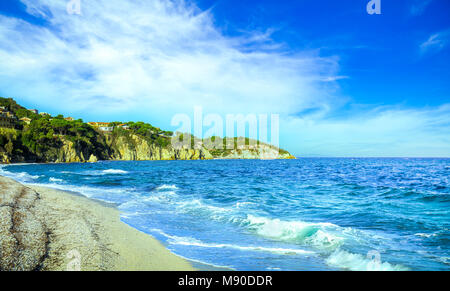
(259, 215)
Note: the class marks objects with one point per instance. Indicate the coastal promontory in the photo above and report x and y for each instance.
(29, 136)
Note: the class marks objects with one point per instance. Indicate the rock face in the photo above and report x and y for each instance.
(68, 154)
(4, 158)
(262, 153)
(132, 147)
(138, 149)
(251, 149)
(24, 237)
(93, 159)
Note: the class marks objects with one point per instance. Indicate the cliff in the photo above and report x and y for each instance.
(43, 139)
(245, 148)
(135, 148)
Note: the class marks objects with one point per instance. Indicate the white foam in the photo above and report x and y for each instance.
(320, 235)
(188, 241)
(357, 262)
(196, 206)
(20, 177)
(55, 180)
(167, 187)
(163, 197)
(427, 235)
(114, 171)
(243, 204)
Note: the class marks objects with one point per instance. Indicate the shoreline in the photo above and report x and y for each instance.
(168, 160)
(47, 229)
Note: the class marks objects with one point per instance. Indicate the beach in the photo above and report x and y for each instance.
(50, 230)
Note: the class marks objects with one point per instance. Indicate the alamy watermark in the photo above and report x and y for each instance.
(375, 258)
(74, 7)
(374, 7)
(74, 263)
(239, 130)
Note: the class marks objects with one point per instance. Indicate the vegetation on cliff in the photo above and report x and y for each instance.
(43, 138)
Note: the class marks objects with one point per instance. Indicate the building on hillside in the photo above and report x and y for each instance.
(124, 126)
(44, 114)
(106, 128)
(35, 111)
(102, 126)
(99, 124)
(26, 120)
(69, 118)
(7, 119)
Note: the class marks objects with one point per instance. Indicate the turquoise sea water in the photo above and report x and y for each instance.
(305, 214)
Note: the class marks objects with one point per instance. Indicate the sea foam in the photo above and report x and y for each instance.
(320, 235)
(188, 241)
(357, 262)
(20, 176)
(167, 187)
(114, 171)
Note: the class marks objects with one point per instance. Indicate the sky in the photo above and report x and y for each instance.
(344, 83)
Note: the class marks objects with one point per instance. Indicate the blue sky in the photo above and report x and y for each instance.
(344, 82)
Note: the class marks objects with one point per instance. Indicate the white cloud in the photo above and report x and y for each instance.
(160, 55)
(394, 132)
(122, 58)
(435, 42)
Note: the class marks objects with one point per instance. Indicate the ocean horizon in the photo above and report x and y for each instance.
(305, 214)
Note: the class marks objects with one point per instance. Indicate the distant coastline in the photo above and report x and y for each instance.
(27, 136)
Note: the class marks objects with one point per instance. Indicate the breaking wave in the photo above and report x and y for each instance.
(20, 176)
(320, 235)
(167, 187)
(114, 171)
(357, 262)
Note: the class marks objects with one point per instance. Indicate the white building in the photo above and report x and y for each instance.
(106, 128)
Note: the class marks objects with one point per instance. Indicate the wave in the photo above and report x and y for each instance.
(167, 187)
(327, 238)
(320, 235)
(244, 204)
(426, 235)
(357, 262)
(96, 172)
(114, 171)
(109, 195)
(198, 208)
(55, 180)
(164, 197)
(20, 176)
(188, 241)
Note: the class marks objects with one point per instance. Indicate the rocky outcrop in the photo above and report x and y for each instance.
(4, 158)
(93, 159)
(49, 139)
(68, 154)
(136, 148)
(24, 236)
(262, 153)
(133, 147)
(250, 149)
